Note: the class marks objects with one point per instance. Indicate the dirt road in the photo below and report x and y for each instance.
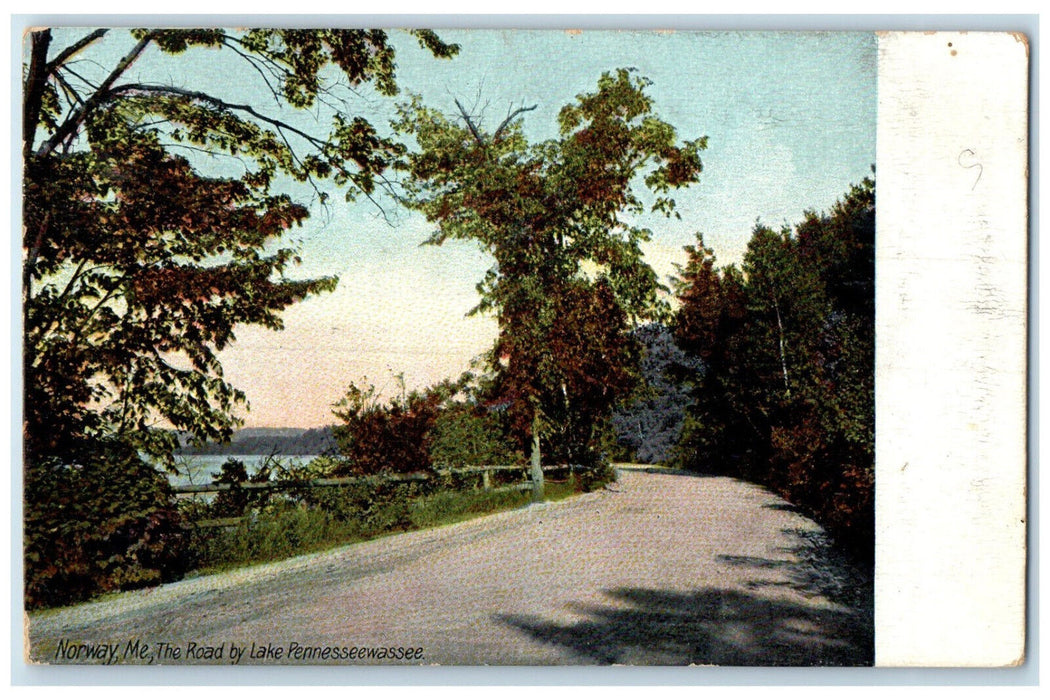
(659, 568)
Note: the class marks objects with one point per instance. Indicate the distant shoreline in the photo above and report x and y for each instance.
(267, 441)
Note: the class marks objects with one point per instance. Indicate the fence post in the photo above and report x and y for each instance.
(486, 480)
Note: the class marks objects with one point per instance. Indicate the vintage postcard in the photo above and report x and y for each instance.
(506, 347)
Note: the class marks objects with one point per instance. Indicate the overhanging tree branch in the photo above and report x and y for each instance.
(59, 60)
(133, 88)
(258, 66)
(76, 119)
(72, 96)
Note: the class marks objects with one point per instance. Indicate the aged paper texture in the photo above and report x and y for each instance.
(951, 360)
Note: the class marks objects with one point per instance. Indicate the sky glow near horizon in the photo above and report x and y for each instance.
(790, 119)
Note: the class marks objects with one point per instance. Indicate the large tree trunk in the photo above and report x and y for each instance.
(33, 91)
(537, 466)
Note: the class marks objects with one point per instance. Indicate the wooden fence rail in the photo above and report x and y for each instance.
(216, 486)
(485, 471)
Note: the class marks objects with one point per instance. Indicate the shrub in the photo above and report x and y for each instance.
(377, 437)
(237, 501)
(105, 520)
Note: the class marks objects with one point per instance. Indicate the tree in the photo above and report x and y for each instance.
(787, 307)
(718, 429)
(786, 397)
(557, 217)
(139, 264)
(699, 291)
(573, 361)
(138, 267)
(649, 422)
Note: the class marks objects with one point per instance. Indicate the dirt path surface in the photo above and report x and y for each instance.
(659, 568)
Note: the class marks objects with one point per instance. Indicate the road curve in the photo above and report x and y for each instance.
(658, 568)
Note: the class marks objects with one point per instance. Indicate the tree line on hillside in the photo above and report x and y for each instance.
(312, 441)
(648, 423)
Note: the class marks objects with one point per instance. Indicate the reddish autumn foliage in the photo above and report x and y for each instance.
(379, 437)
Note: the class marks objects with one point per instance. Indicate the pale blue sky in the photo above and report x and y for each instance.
(790, 119)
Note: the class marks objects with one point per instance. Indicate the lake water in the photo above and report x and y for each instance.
(202, 469)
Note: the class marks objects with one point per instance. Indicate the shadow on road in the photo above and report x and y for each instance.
(710, 626)
(831, 626)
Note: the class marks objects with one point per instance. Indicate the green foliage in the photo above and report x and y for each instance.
(466, 434)
(295, 518)
(446, 507)
(787, 395)
(138, 266)
(103, 521)
(558, 217)
(282, 531)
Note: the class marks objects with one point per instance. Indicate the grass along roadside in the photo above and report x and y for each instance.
(430, 511)
(287, 529)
